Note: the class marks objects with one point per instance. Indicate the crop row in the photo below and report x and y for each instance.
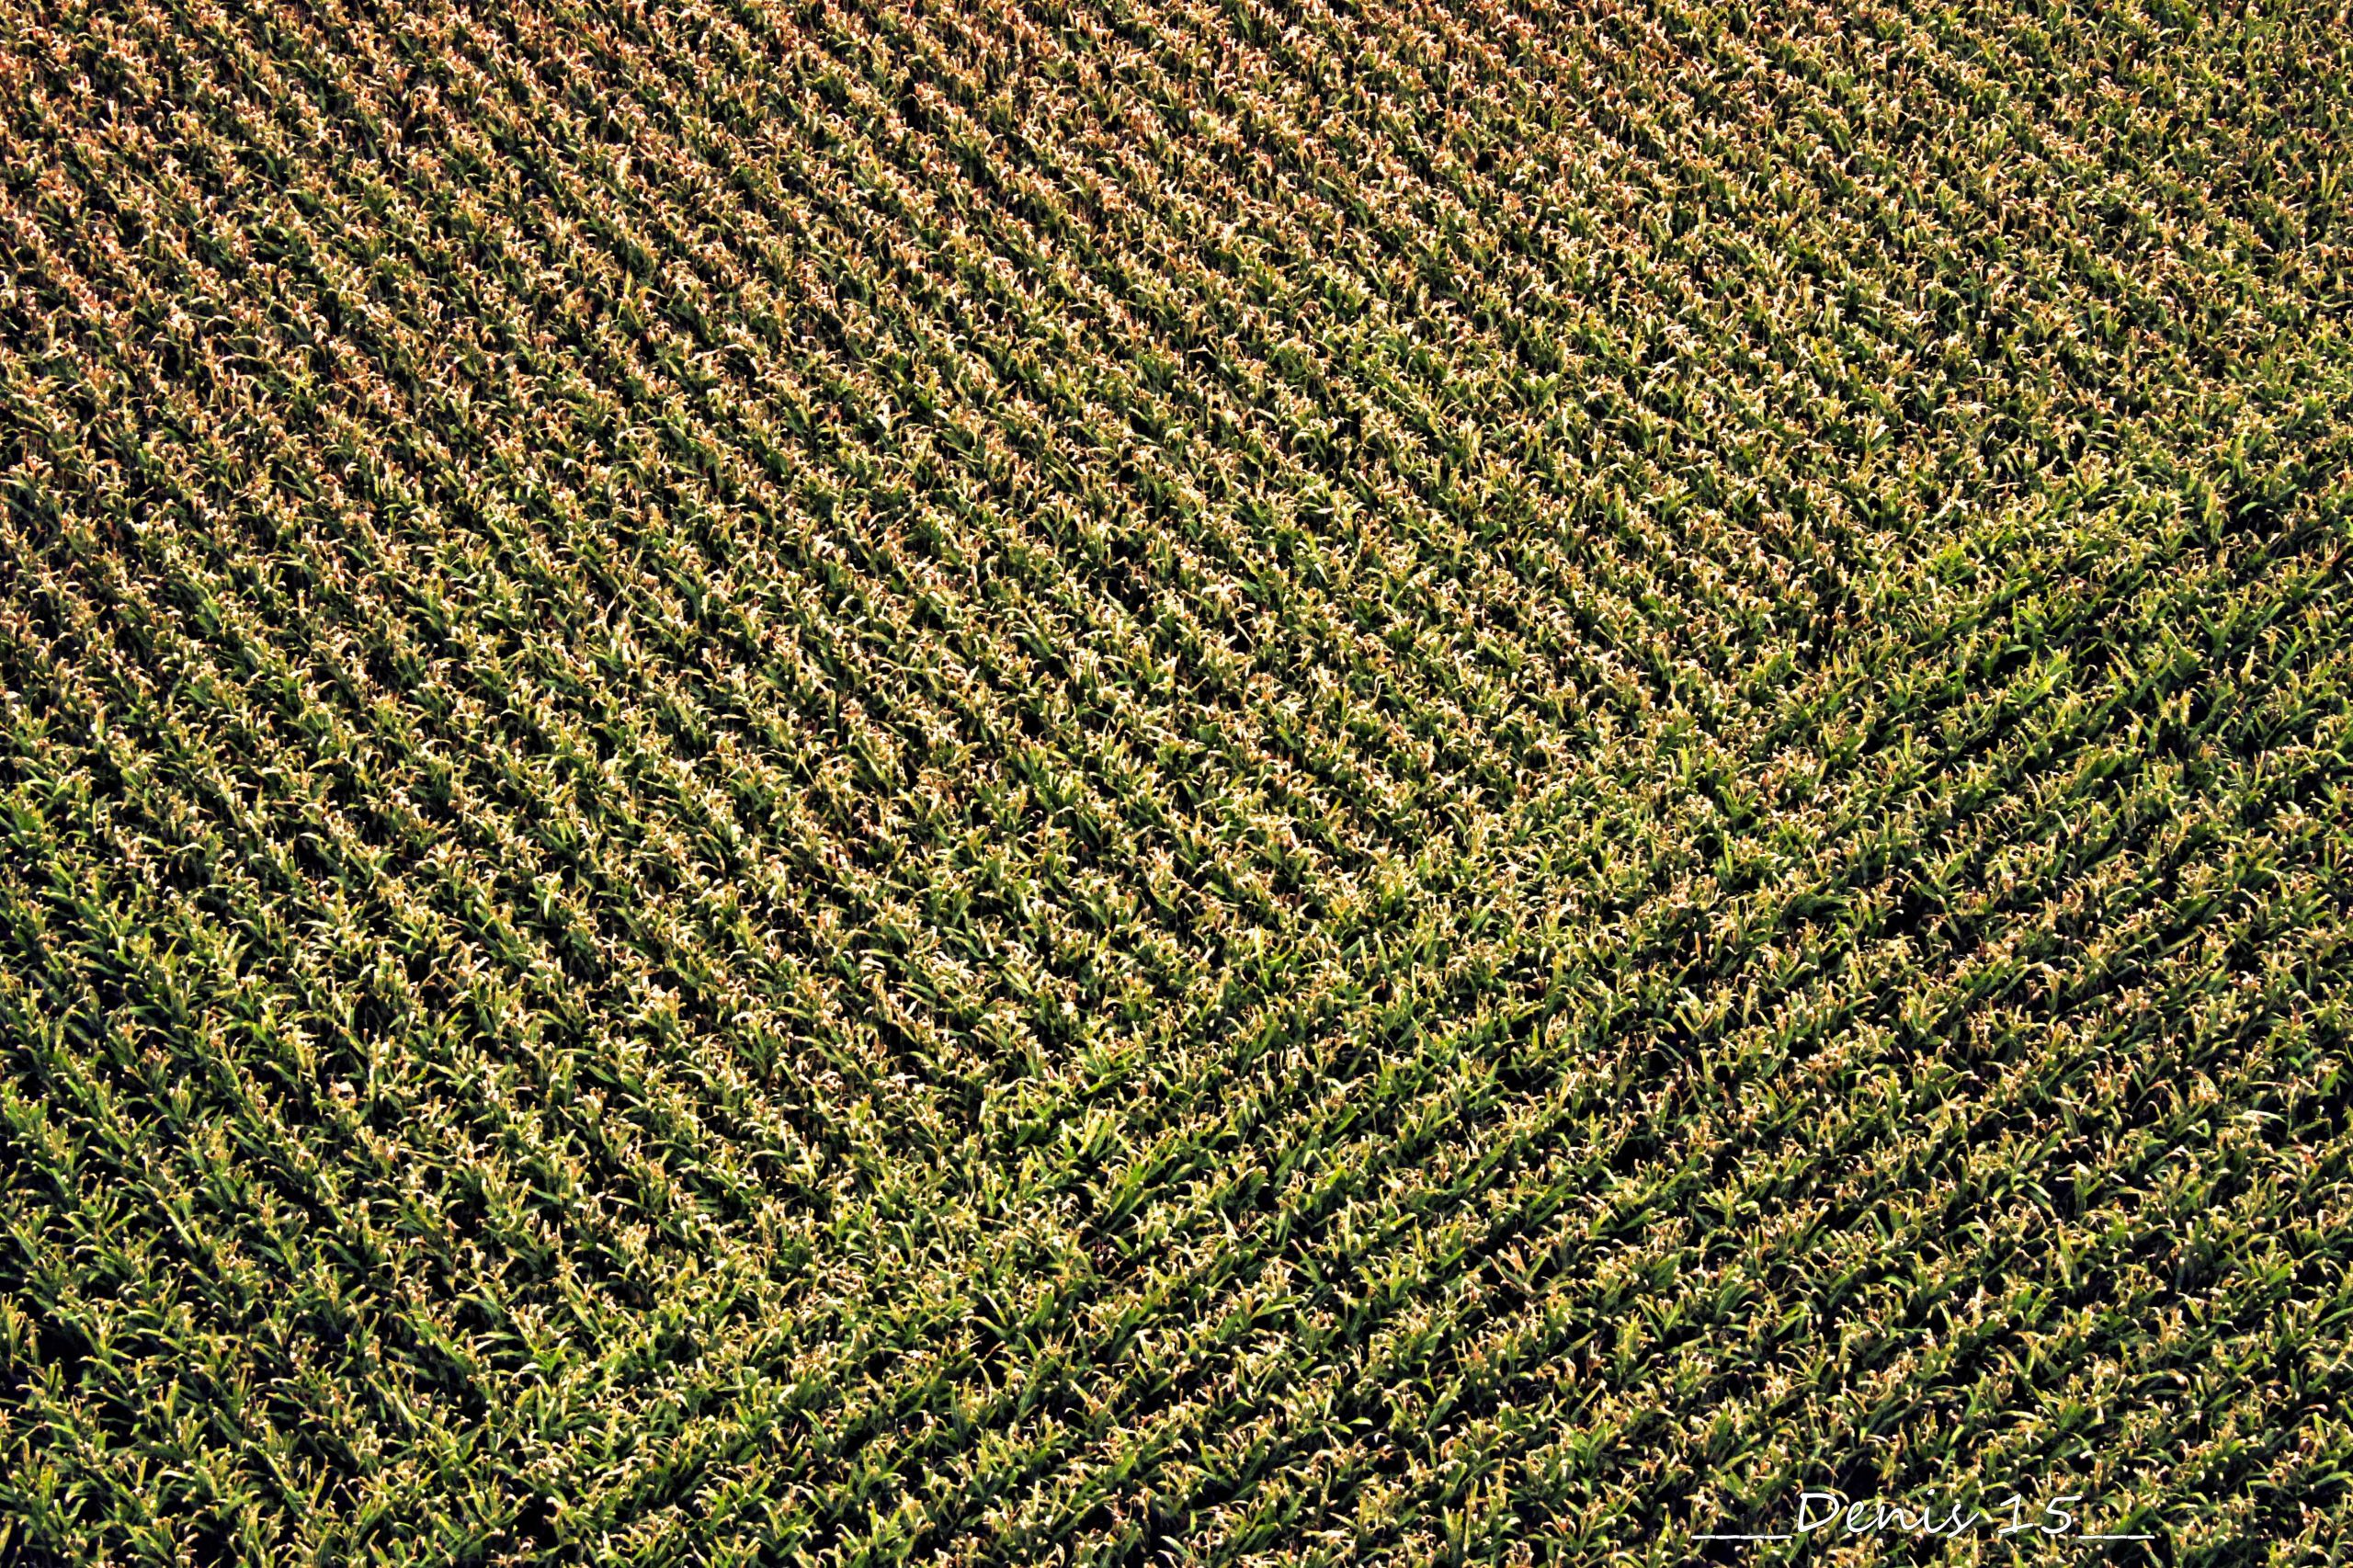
(1066, 783)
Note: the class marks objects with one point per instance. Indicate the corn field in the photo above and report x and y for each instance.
(1173, 782)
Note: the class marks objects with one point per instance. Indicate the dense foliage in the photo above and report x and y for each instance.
(1063, 783)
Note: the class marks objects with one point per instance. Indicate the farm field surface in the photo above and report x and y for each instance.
(1101, 783)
